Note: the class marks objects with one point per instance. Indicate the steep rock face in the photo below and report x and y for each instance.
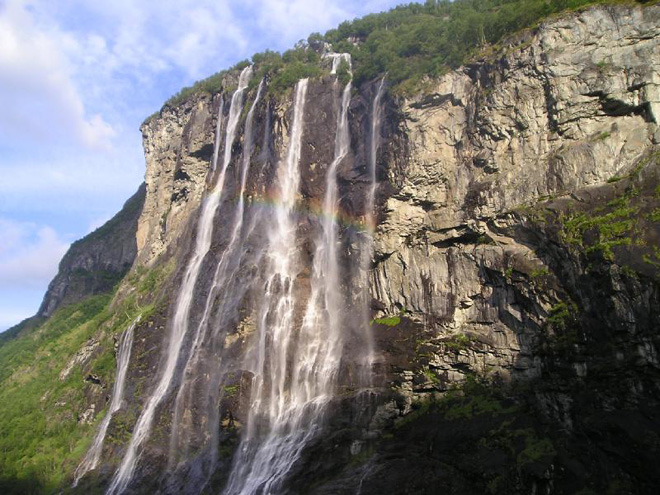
(178, 148)
(95, 263)
(479, 286)
(560, 372)
(503, 323)
(536, 123)
(572, 107)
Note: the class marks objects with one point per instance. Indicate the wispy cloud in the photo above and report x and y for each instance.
(80, 70)
(29, 257)
(29, 254)
(38, 97)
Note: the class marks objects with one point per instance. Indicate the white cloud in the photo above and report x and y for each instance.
(29, 254)
(76, 70)
(298, 18)
(144, 38)
(199, 40)
(37, 93)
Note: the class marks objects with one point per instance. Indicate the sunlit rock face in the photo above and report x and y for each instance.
(490, 337)
(566, 109)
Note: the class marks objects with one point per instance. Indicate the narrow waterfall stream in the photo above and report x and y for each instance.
(367, 245)
(218, 130)
(91, 459)
(376, 115)
(179, 327)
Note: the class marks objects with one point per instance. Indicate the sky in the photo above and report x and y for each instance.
(77, 77)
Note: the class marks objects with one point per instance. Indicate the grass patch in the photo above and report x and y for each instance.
(523, 444)
(388, 321)
(474, 405)
(539, 274)
(561, 315)
(431, 376)
(231, 390)
(561, 329)
(604, 228)
(475, 397)
(458, 342)
(148, 281)
(535, 448)
(653, 259)
(654, 216)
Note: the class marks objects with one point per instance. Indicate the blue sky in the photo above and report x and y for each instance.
(77, 77)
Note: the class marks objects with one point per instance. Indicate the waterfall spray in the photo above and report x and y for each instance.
(320, 351)
(258, 463)
(337, 59)
(296, 369)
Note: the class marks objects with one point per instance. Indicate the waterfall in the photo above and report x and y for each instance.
(272, 433)
(222, 278)
(336, 60)
(373, 152)
(295, 370)
(93, 455)
(367, 248)
(218, 130)
(179, 327)
(320, 343)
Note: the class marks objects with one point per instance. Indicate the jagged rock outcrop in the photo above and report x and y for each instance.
(98, 261)
(178, 149)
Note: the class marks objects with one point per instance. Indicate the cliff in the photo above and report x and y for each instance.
(98, 261)
(348, 291)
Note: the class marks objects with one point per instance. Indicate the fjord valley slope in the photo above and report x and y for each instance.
(342, 288)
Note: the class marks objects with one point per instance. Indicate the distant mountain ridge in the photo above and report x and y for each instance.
(98, 261)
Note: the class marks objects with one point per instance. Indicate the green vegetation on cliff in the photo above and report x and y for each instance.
(416, 40)
(407, 43)
(40, 436)
(618, 223)
(53, 372)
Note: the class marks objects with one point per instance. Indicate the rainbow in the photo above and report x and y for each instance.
(308, 208)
